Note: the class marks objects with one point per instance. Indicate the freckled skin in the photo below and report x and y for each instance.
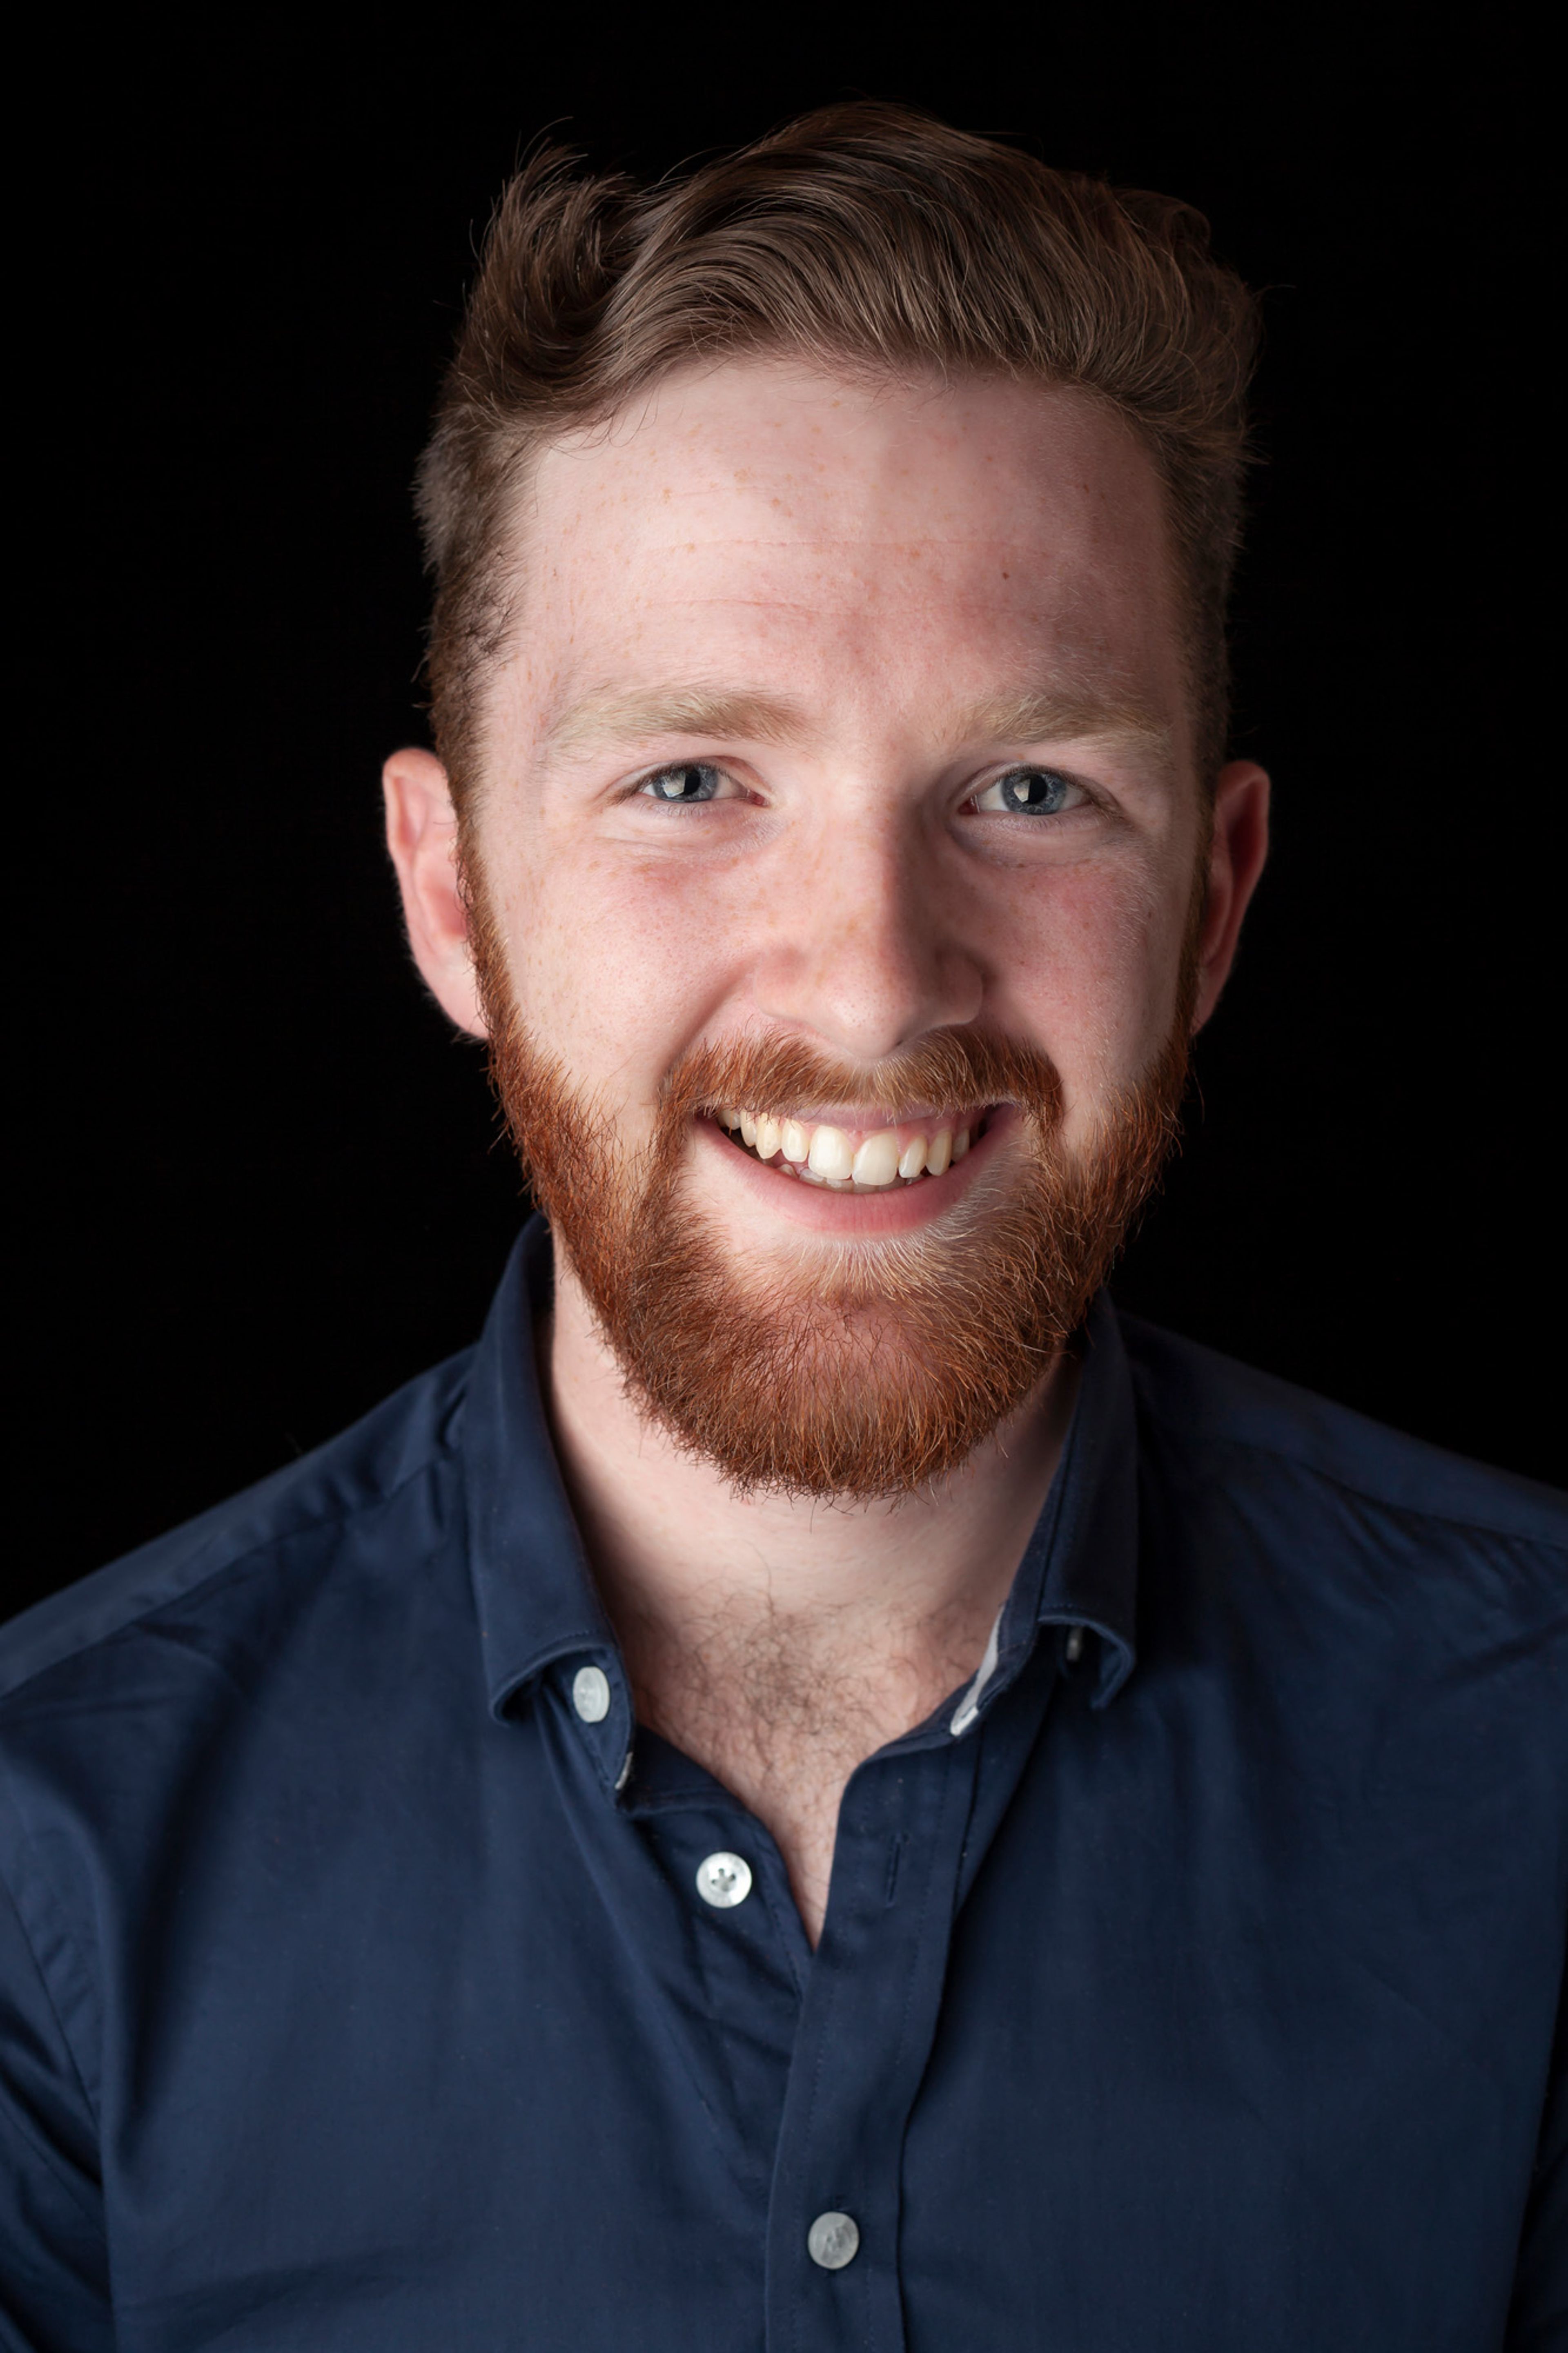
(952, 547)
(885, 558)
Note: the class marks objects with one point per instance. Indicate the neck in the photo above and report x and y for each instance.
(777, 1640)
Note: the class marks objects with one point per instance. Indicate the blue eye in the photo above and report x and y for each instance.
(687, 782)
(1028, 792)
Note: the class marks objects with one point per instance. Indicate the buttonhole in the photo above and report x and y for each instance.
(895, 1856)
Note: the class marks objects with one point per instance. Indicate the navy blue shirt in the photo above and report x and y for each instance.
(1189, 1986)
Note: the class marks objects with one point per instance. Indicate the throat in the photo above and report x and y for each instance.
(778, 1639)
(781, 1707)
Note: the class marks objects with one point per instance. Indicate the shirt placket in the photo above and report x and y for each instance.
(861, 2047)
(699, 1898)
(806, 2066)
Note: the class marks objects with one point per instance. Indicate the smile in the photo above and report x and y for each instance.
(852, 1158)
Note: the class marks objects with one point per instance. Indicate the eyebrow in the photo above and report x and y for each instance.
(1077, 714)
(610, 716)
(613, 716)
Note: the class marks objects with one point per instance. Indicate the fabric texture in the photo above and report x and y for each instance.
(357, 1996)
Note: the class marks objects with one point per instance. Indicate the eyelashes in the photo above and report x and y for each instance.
(1025, 791)
(684, 784)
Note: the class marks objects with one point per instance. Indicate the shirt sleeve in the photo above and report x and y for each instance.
(53, 2270)
(1537, 2320)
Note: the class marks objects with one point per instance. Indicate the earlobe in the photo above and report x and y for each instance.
(1239, 849)
(422, 841)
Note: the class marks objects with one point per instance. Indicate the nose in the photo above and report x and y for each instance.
(859, 949)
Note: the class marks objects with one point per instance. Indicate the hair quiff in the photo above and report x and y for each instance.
(865, 236)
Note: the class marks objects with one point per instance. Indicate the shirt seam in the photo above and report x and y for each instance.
(66, 2044)
(445, 1450)
(1343, 1486)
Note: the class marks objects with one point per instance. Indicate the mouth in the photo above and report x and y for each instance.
(848, 1156)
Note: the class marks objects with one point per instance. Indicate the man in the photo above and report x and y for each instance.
(819, 1788)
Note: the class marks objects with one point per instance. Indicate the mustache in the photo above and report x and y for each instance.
(946, 1070)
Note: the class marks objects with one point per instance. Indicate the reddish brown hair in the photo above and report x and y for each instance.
(866, 238)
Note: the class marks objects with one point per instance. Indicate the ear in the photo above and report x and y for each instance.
(421, 835)
(1238, 849)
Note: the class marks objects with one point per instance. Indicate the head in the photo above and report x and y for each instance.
(828, 685)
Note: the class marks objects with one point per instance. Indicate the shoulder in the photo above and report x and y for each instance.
(226, 1563)
(1211, 1406)
(1423, 1558)
(1386, 1600)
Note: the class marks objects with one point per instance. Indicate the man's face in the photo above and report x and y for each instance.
(839, 770)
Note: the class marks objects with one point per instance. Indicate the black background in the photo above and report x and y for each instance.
(267, 1183)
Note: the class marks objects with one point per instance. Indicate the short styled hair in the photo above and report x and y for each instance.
(866, 238)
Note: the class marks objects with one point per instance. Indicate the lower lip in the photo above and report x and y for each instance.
(856, 1217)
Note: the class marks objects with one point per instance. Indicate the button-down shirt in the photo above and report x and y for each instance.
(1189, 1980)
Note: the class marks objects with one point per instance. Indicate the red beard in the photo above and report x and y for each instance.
(859, 1371)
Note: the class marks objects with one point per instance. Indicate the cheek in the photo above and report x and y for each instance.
(618, 965)
(1095, 957)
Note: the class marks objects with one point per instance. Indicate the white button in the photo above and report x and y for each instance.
(1075, 1646)
(723, 1880)
(833, 2241)
(590, 1693)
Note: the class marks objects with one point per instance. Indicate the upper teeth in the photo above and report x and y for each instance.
(825, 1154)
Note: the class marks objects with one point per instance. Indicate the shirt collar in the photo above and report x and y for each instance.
(1082, 1566)
(535, 1597)
(532, 1588)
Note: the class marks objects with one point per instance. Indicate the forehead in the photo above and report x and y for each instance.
(761, 522)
